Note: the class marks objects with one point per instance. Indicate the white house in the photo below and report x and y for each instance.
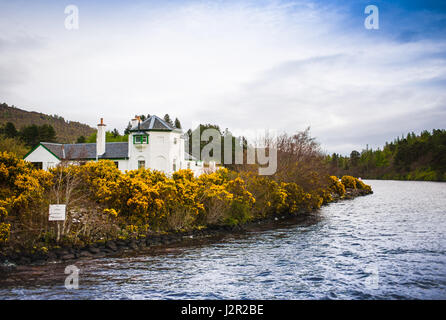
(153, 144)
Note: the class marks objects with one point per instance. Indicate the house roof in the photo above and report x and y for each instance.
(78, 151)
(113, 150)
(153, 123)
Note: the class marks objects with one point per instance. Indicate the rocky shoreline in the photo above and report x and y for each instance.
(11, 258)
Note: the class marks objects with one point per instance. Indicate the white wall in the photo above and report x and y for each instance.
(159, 154)
(40, 154)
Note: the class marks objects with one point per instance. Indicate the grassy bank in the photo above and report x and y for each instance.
(107, 206)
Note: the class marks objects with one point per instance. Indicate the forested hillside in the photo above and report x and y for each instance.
(66, 131)
(414, 157)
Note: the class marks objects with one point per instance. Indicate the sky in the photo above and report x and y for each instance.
(245, 65)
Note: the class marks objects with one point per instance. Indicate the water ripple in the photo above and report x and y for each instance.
(390, 245)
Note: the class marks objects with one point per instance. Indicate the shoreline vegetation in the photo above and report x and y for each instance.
(109, 211)
(414, 157)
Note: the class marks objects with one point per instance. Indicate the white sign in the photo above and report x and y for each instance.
(57, 212)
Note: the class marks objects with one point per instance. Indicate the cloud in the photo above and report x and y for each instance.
(242, 65)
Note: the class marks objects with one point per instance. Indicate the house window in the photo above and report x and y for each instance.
(116, 164)
(141, 164)
(188, 165)
(141, 139)
(175, 140)
(37, 165)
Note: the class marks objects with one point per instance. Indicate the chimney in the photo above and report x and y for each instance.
(134, 122)
(100, 139)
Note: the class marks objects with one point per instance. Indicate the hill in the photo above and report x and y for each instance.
(66, 131)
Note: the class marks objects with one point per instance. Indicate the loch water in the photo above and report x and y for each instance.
(388, 245)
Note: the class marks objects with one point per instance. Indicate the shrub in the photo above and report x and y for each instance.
(336, 186)
(4, 232)
(362, 186)
(349, 182)
(103, 203)
(269, 195)
(296, 199)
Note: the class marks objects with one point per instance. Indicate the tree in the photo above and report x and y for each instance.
(177, 123)
(168, 120)
(10, 130)
(47, 133)
(115, 133)
(32, 135)
(128, 128)
(81, 139)
(354, 158)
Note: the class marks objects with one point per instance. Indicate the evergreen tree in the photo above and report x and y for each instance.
(32, 135)
(408, 157)
(354, 158)
(10, 131)
(115, 133)
(81, 139)
(127, 129)
(47, 133)
(168, 120)
(177, 123)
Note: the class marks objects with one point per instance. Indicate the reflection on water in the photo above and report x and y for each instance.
(389, 245)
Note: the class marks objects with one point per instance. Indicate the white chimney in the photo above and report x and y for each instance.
(134, 122)
(100, 139)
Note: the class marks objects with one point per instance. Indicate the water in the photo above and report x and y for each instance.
(389, 245)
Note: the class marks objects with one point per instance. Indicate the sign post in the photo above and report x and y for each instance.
(57, 213)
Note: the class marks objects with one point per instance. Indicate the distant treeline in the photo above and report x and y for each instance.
(415, 157)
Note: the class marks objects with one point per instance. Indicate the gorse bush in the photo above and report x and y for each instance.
(104, 203)
(349, 182)
(22, 194)
(336, 186)
(362, 186)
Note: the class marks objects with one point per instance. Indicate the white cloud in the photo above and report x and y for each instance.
(242, 66)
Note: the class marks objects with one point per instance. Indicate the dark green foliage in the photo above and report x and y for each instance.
(354, 157)
(81, 139)
(127, 129)
(168, 119)
(415, 157)
(10, 131)
(32, 135)
(177, 123)
(115, 133)
(238, 213)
